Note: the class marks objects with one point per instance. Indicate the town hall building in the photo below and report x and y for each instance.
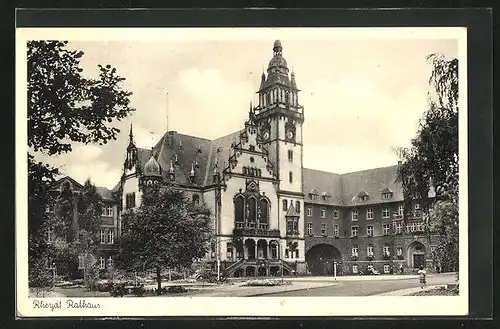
(272, 215)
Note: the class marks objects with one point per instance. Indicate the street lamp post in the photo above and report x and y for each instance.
(335, 270)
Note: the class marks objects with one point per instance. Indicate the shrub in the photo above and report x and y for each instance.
(104, 286)
(176, 289)
(139, 291)
(118, 289)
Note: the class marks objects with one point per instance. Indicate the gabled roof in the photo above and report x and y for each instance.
(292, 212)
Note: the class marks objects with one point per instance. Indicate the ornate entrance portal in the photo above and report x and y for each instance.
(320, 259)
(416, 255)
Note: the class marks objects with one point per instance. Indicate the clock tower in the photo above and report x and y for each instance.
(280, 118)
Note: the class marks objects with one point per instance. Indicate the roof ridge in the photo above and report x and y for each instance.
(365, 170)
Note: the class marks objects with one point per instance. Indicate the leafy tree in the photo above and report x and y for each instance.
(41, 276)
(167, 231)
(430, 165)
(64, 107)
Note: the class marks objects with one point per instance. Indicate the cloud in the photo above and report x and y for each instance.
(99, 173)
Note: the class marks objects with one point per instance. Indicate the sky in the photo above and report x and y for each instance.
(361, 98)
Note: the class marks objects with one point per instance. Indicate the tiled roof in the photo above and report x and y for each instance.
(373, 182)
(189, 150)
(345, 189)
(318, 181)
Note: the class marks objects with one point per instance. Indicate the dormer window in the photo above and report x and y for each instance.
(386, 194)
(326, 197)
(363, 196)
(313, 194)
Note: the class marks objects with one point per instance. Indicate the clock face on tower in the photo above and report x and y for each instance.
(290, 134)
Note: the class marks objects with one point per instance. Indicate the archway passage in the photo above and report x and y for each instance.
(416, 255)
(320, 259)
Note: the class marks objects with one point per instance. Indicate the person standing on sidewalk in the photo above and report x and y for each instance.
(422, 277)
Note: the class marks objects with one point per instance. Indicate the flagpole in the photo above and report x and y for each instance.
(167, 109)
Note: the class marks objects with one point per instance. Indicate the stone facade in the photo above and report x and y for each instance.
(271, 214)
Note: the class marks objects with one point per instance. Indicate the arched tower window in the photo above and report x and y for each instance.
(239, 209)
(297, 206)
(285, 205)
(264, 211)
(251, 210)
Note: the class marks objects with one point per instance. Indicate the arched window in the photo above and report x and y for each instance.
(252, 210)
(285, 205)
(297, 206)
(239, 209)
(264, 211)
(196, 199)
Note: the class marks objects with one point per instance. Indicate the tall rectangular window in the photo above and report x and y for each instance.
(309, 212)
(335, 230)
(354, 231)
(369, 214)
(229, 250)
(354, 251)
(102, 264)
(323, 213)
(387, 250)
(290, 177)
(386, 268)
(354, 215)
(399, 227)
(110, 261)
(355, 269)
(285, 205)
(385, 229)
(111, 236)
(385, 212)
(102, 236)
(290, 155)
(399, 251)
(310, 228)
(369, 230)
(130, 200)
(323, 229)
(369, 250)
(400, 210)
(335, 214)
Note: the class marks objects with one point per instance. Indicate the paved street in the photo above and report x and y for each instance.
(366, 288)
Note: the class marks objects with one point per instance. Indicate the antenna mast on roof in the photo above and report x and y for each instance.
(167, 108)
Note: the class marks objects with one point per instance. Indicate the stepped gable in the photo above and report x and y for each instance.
(322, 181)
(373, 182)
(186, 148)
(220, 149)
